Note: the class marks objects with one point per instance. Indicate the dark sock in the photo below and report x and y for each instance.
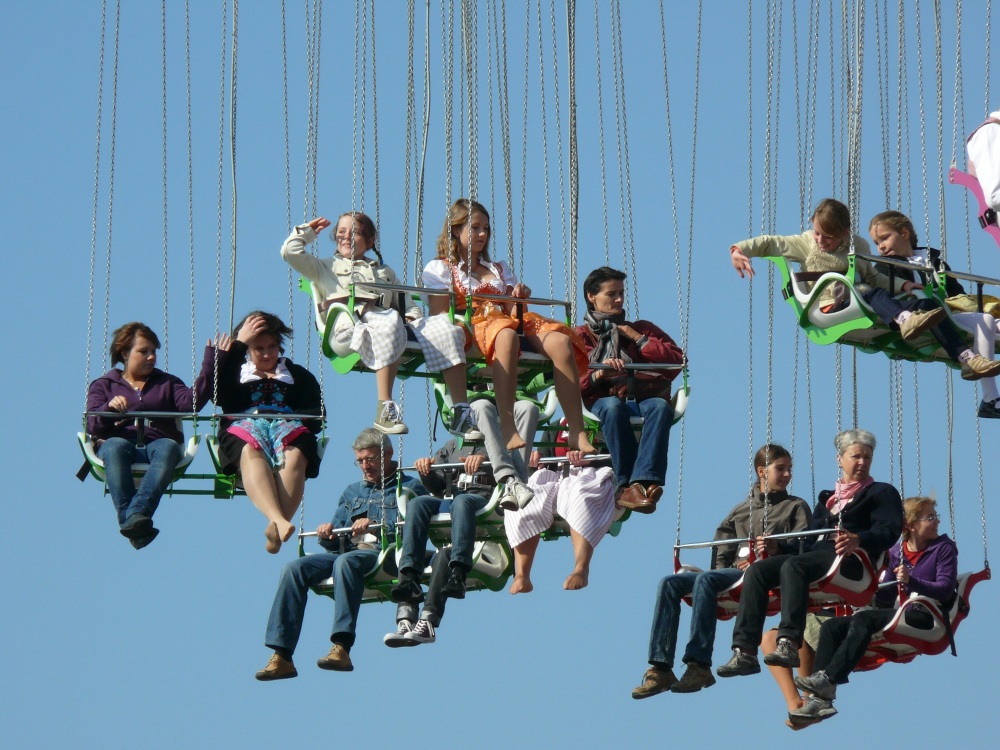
(284, 653)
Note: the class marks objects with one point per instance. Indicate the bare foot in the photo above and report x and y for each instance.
(582, 443)
(515, 443)
(286, 533)
(576, 580)
(521, 585)
(273, 543)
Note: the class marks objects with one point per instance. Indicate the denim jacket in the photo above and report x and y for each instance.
(366, 499)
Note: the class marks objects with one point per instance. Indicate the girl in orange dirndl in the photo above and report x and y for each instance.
(463, 264)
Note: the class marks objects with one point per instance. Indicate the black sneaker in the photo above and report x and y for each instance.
(463, 424)
(989, 409)
(398, 638)
(423, 632)
(137, 525)
(785, 654)
(454, 588)
(741, 664)
(141, 541)
(407, 591)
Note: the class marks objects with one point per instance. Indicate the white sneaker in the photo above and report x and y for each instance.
(397, 639)
(423, 632)
(515, 494)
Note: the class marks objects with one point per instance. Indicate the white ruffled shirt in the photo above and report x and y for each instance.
(984, 159)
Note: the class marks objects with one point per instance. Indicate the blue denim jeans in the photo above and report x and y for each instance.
(118, 455)
(348, 570)
(666, 614)
(644, 460)
(463, 510)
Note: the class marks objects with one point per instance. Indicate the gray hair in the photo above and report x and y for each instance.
(847, 438)
(372, 438)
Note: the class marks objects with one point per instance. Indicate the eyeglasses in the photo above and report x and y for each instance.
(930, 518)
(366, 460)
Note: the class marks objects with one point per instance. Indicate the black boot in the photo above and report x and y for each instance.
(454, 588)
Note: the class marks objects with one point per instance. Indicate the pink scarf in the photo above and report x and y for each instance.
(845, 492)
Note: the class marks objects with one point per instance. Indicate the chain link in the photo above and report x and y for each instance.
(163, 109)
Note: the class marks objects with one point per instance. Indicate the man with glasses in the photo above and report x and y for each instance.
(348, 559)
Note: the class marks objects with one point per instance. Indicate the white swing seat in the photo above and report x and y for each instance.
(855, 585)
(378, 579)
(96, 465)
(679, 402)
(901, 642)
(489, 521)
(492, 565)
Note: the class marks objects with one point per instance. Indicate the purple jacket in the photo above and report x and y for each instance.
(162, 392)
(935, 574)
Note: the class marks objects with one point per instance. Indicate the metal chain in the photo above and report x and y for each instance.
(505, 129)
(218, 234)
(111, 175)
(986, 87)
(233, 78)
(626, 197)
(916, 425)
(190, 193)
(809, 412)
(574, 157)
(923, 124)
(939, 81)
(408, 141)
(545, 148)
(163, 109)
(447, 23)
(569, 270)
(902, 134)
(288, 164)
(882, 64)
(750, 387)
(519, 269)
(378, 191)
(362, 112)
(600, 130)
(678, 285)
(97, 190)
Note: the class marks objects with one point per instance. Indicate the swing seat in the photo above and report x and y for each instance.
(851, 580)
(727, 600)
(855, 323)
(492, 565)
(228, 486)
(489, 521)
(679, 402)
(379, 579)
(901, 642)
(96, 465)
(987, 216)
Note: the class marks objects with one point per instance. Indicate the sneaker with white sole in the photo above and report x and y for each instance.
(389, 419)
(814, 710)
(423, 632)
(741, 664)
(397, 639)
(818, 684)
(785, 654)
(516, 495)
(989, 409)
(463, 423)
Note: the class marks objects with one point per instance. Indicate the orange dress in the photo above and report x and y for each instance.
(489, 317)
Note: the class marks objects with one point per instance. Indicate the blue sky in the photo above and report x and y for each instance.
(159, 648)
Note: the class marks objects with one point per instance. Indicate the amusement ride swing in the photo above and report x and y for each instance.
(493, 562)
(902, 639)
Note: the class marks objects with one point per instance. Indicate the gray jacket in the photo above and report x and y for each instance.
(785, 513)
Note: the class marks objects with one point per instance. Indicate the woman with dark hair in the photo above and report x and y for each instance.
(273, 456)
(861, 513)
(640, 464)
(926, 562)
(379, 336)
(139, 386)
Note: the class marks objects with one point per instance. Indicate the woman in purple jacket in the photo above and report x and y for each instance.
(926, 562)
(139, 386)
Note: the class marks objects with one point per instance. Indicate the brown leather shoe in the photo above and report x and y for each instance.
(634, 498)
(654, 492)
(654, 682)
(337, 660)
(278, 668)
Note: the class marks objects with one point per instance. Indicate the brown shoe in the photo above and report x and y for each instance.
(278, 668)
(696, 677)
(654, 492)
(654, 682)
(635, 498)
(337, 660)
(978, 367)
(919, 321)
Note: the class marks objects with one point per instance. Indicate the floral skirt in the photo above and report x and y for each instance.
(271, 437)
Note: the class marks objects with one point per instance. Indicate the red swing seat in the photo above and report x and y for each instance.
(900, 642)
